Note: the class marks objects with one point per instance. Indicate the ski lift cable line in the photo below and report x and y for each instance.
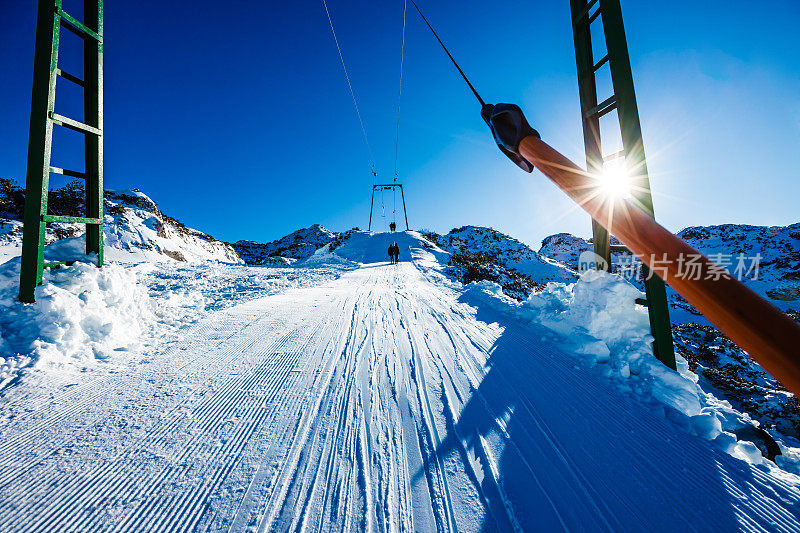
(352, 92)
(400, 90)
(449, 54)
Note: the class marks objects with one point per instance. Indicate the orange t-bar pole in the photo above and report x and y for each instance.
(767, 334)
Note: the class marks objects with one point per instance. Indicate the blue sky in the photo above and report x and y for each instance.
(236, 117)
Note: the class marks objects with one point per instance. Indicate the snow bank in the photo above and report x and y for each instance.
(598, 320)
(82, 314)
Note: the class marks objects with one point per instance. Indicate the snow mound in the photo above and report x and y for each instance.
(82, 314)
(368, 247)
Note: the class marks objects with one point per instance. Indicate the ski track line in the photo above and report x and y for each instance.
(247, 424)
(97, 389)
(245, 421)
(431, 311)
(332, 437)
(287, 361)
(146, 437)
(291, 406)
(428, 420)
(107, 474)
(164, 429)
(438, 361)
(285, 477)
(480, 444)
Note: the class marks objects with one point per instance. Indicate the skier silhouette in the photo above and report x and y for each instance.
(396, 253)
(390, 251)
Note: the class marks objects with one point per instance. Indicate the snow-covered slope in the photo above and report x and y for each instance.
(381, 397)
(299, 244)
(135, 228)
(721, 366)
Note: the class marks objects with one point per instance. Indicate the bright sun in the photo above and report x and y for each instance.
(615, 181)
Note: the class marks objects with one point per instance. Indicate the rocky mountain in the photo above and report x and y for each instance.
(477, 253)
(134, 226)
(299, 244)
(765, 258)
(777, 277)
(564, 248)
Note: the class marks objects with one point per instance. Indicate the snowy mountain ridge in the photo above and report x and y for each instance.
(478, 253)
(777, 248)
(300, 244)
(134, 227)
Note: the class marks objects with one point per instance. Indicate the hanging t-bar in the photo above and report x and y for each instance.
(387, 187)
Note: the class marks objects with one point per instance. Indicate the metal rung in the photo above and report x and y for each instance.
(600, 63)
(67, 172)
(594, 16)
(615, 155)
(603, 107)
(56, 264)
(619, 249)
(67, 76)
(74, 124)
(584, 11)
(75, 26)
(642, 301)
(71, 220)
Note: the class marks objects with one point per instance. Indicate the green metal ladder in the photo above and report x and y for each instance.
(584, 13)
(49, 21)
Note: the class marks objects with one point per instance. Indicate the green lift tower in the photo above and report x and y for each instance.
(623, 101)
(49, 21)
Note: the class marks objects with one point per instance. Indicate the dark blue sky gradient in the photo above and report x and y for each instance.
(235, 117)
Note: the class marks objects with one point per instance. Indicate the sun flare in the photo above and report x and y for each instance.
(615, 182)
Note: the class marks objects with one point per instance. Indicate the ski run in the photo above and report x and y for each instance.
(347, 394)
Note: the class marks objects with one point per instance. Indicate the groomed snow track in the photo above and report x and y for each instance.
(381, 401)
